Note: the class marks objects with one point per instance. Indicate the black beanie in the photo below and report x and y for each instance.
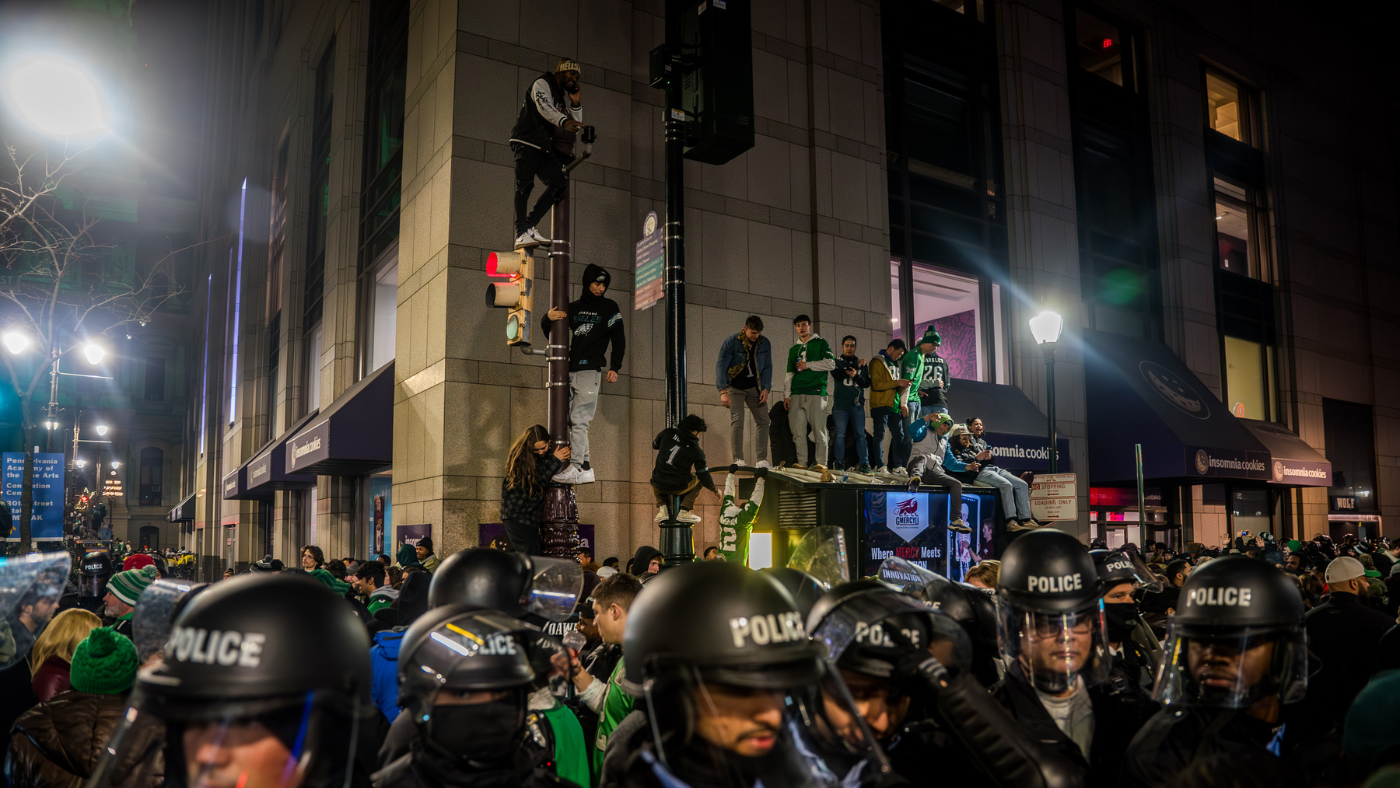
(595, 273)
(426, 543)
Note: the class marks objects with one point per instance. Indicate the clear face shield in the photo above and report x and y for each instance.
(821, 553)
(307, 740)
(912, 579)
(30, 588)
(1232, 671)
(155, 615)
(93, 585)
(554, 587)
(1126, 567)
(795, 727)
(1054, 650)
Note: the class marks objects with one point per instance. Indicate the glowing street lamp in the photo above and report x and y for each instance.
(1046, 328)
(56, 96)
(102, 429)
(94, 353)
(15, 341)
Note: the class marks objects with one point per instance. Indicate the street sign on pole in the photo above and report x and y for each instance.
(651, 264)
(46, 518)
(1053, 497)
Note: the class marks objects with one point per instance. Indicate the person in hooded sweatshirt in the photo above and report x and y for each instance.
(594, 322)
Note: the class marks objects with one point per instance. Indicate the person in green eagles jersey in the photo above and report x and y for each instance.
(911, 368)
(808, 366)
(736, 521)
(611, 601)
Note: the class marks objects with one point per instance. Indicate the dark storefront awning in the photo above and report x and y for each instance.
(1017, 432)
(1140, 392)
(267, 471)
(236, 486)
(354, 436)
(183, 511)
(1294, 463)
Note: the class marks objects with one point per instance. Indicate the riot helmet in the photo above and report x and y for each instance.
(973, 608)
(516, 584)
(804, 588)
(265, 680)
(30, 589)
(1123, 579)
(738, 693)
(93, 573)
(1050, 625)
(465, 677)
(1236, 637)
(156, 612)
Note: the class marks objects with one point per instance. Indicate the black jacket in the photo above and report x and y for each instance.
(1308, 752)
(784, 450)
(677, 452)
(1120, 709)
(594, 321)
(1345, 634)
(531, 127)
(517, 505)
(934, 388)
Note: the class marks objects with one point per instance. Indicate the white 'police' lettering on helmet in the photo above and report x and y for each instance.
(765, 629)
(1054, 584)
(187, 644)
(878, 637)
(1220, 597)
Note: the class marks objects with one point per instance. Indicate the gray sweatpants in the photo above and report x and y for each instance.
(738, 400)
(583, 404)
(804, 411)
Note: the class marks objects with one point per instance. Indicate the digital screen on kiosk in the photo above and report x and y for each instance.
(914, 526)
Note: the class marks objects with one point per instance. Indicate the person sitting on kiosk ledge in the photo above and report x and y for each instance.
(1014, 493)
(551, 105)
(928, 455)
(677, 452)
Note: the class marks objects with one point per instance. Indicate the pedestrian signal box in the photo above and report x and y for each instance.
(515, 293)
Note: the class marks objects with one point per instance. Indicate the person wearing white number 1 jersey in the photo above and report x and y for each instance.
(677, 452)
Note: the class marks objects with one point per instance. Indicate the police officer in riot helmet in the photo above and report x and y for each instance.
(804, 588)
(736, 695)
(1053, 642)
(1234, 682)
(907, 669)
(973, 608)
(464, 682)
(265, 681)
(94, 570)
(1123, 578)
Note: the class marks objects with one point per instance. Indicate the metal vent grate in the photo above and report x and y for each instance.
(796, 508)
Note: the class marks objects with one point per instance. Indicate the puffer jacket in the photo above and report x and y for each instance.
(59, 744)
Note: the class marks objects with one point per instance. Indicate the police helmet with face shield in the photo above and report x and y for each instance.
(35, 580)
(973, 608)
(464, 676)
(521, 586)
(93, 573)
(276, 661)
(706, 638)
(1050, 625)
(869, 628)
(1236, 637)
(805, 588)
(1116, 567)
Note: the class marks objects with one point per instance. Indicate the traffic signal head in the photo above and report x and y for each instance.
(514, 293)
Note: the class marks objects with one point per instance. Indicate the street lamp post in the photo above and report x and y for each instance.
(1046, 328)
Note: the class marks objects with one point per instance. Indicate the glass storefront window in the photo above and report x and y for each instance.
(383, 312)
(1250, 510)
(953, 305)
(1101, 48)
(377, 504)
(1249, 379)
(1225, 106)
(895, 327)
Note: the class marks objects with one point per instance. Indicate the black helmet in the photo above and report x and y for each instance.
(1234, 604)
(160, 604)
(1050, 621)
(706, 628)
(93, 573)
(973, 608)
(516, 584)
(1048, 571)
(804, 588)
(278, 651)
(742, 628)
(1115, 567)
(870, 628)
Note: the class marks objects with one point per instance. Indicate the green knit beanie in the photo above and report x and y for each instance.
(931, 336)
(127, 586)
(104, 663)
(338, 586)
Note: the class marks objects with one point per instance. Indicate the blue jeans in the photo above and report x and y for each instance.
(926, 408)
(900, 445)
(855, 420)
(1014, 493)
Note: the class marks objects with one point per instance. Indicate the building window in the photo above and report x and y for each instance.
(277, 231)
(320, 188)
(896, 305)
(1101, 48)
(1227, 107)
(964, 311)
(381, 311)
(204, 371)
(386, 79)
(155, 378)
(1249, 379)
(236, 306)
(151, 474)
(311, 370)
(272, 377)
(1349, 431)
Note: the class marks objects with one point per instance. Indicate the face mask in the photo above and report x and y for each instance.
(1121, 618)
(479, 732)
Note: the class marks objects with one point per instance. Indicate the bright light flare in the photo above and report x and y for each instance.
(15, 341)
(56, 96)
(94, 353)
(1046, 327)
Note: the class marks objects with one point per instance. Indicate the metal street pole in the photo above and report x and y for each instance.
(677, 538)
(1050, 402)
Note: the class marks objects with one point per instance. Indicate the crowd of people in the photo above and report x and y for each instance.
(1055, 665)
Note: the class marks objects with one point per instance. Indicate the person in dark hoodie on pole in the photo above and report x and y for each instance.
(677, 452)
(551, 110)
(594, 321)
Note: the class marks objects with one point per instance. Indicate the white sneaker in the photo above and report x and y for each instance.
(661, 514)
(586, 476)
(539, 240)
(687, 516)
(762, 464)
(525, 241)
(569, 475)
(899, 472)
(883, 469)
(739, 462)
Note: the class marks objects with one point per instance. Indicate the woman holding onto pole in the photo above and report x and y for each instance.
(529, 467)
